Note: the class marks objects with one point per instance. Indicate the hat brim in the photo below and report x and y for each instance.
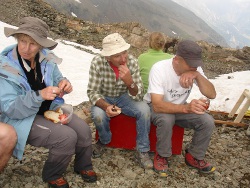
(194, 62)
(44, 42)
(115, 51)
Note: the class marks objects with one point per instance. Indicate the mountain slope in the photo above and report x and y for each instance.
(230, 21)
(156, 15)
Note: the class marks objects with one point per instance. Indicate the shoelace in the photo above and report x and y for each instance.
(162, 160)
(89, 172)
(201, 163)
(60, 181)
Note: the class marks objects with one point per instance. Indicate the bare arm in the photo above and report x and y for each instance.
(101, 103)
(205, 86)
(108, 108)
(161, 106)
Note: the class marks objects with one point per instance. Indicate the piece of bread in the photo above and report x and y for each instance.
(59, 110)
(53, 115)
(119, 111)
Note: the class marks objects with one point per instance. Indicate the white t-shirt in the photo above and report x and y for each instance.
(164, 81)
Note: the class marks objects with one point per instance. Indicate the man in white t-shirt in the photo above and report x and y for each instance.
(170, 83)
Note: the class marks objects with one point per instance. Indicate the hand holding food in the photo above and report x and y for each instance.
(115, 109)
(206, 101)
(56, 116)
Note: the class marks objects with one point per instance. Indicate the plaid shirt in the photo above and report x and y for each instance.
(102, 80)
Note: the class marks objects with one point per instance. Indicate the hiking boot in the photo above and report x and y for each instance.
(160, 165)
(88, 175)
(98, 149)
(59, 183)
(144, 160)
(201, 165)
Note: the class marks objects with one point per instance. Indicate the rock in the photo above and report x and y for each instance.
(130, 174)
(229, 148)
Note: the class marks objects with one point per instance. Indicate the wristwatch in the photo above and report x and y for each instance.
(132, 85)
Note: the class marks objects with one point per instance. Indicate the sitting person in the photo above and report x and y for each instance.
(170, 83)
(154, 54)
(115, 87)
(8, 140)
(31, 80)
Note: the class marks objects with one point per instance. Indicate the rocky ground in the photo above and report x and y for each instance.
(229, 151)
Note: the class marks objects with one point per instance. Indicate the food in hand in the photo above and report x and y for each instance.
(116, 110)
(64, 118)
(207, 105)
(113, 108)
(61, 94)
(56, 116)
(119, 111)
(52, 115)
(59, 110)
(206, 101)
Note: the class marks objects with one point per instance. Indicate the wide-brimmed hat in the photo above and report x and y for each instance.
(35, 28)
(190, 52)
(113, 44)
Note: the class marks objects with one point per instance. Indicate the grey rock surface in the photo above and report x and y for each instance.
(229, 152)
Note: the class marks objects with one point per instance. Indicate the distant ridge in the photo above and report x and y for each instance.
(217, 60)
(155, 15)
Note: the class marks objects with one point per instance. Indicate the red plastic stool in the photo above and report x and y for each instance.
(123, 130)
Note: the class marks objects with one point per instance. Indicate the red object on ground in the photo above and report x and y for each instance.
(123, 129)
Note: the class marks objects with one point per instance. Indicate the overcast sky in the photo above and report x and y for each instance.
(217, 5)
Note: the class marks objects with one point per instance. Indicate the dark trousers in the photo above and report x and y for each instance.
(63, 141)
(202, 125)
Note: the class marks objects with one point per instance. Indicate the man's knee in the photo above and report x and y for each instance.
(163, 120)
(98, 114)
(143, 109)
(8, 134)
(209, 123)
(13, 136)
(67, 139)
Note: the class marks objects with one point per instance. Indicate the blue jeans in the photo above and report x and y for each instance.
(138, 109)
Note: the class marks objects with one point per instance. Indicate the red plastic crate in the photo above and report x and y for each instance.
(123, 130)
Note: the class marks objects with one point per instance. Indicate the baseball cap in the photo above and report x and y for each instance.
(190, 52)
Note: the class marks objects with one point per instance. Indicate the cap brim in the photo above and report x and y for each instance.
(45, 42)
(9, 31)
(194, 62)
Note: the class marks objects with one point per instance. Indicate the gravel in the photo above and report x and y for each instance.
(229, 151)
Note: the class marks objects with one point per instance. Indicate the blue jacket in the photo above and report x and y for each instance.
(18, 103)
